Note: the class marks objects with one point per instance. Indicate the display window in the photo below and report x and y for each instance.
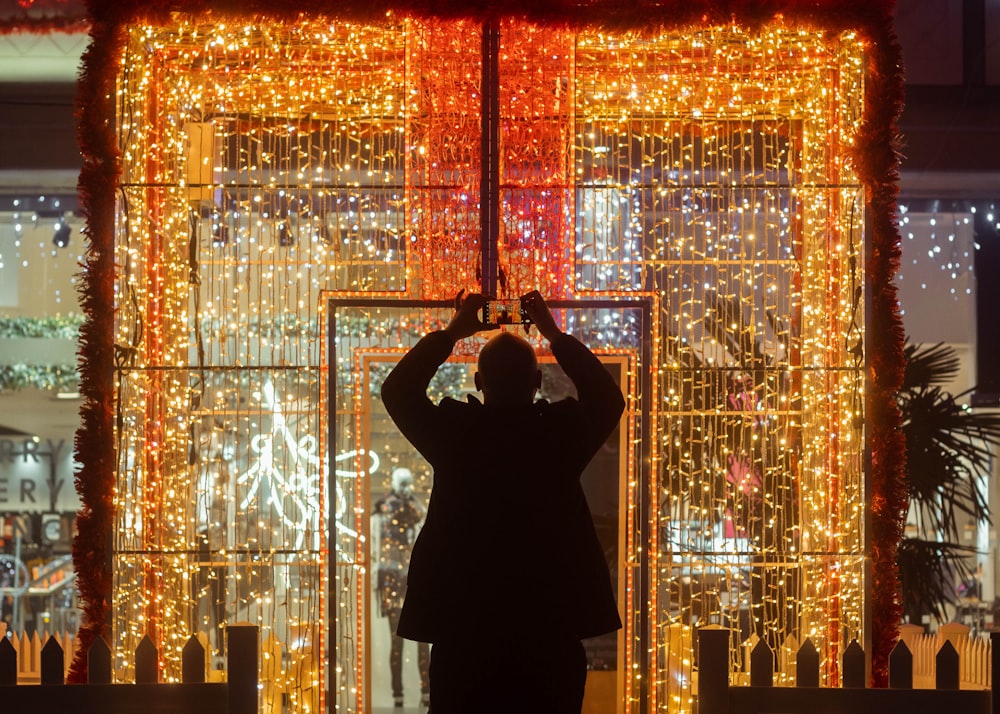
(393, 487)
(299, 202)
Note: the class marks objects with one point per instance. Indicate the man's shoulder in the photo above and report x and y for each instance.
(456, 412)
(454, 405)
(560, 406)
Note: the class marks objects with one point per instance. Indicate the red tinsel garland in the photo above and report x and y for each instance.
(876, 161)
(95, 452)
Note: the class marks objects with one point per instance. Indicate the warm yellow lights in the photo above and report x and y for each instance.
(268, 168)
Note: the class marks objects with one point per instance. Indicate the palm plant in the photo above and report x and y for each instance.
(949, 451)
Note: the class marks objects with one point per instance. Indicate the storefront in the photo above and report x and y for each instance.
(38, 506)
(299, 201)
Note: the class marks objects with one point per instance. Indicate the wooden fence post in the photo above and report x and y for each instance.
(807, 665)
(900, 667)
(946, 667)
(713, 670)
(954, 632)
(762, 665)
(994, 671)
(193, 661)
(8, 662)
(241, 666)
(147, 664)
(853, 667)
(53, 667)
(99, 662)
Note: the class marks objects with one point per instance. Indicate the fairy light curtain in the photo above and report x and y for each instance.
(735, 168)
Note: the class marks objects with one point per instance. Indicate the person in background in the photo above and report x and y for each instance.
(396, 520)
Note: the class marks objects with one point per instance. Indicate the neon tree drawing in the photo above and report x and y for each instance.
(292, 488)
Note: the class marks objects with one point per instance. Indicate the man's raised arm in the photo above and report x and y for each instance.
(404, 391)
(597, 391)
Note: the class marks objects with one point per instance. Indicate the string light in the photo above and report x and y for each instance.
(938, 246)
(269, 167)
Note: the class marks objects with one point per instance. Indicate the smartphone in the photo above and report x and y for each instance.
(504, 312)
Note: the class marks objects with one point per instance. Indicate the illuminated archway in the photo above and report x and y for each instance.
(713, 169)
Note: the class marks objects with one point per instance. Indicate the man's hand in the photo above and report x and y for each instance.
(538, 312)
(466, 321)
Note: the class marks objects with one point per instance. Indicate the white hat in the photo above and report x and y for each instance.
(402, 479)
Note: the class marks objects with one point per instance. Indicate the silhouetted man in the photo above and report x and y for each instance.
(507, 574)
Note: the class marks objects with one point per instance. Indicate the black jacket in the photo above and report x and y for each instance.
(508, 544)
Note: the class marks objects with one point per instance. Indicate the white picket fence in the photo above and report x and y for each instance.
(973, 654)
(679, 676)
(29, 652)
(277, 679)
(974, 661)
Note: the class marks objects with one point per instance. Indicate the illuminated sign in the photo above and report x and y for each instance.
(36, 476)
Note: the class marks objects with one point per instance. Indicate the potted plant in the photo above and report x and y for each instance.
(949, 452)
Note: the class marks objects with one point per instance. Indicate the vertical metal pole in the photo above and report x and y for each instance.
(333, 592)
(16, 604)
(489, 188)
